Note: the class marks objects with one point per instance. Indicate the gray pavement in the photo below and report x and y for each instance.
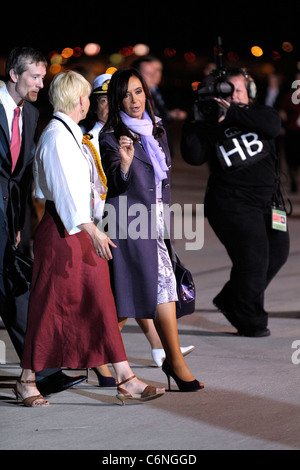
(251, 398)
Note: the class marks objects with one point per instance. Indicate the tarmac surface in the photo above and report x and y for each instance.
(251, 399)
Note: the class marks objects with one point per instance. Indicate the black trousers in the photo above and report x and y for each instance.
(14, 301)
(14, 306)
(242, 221)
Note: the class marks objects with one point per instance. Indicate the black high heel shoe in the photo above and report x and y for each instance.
(104, 381)
(183, 386)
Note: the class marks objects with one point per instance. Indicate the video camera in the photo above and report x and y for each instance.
(214, 86)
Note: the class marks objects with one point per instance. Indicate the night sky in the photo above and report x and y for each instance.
(184, 25)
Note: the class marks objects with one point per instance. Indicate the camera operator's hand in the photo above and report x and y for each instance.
(224, 105)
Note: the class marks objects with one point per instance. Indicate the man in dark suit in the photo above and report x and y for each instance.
(25, 71)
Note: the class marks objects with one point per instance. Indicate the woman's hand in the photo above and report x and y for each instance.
(100, 241)
(126, 150)
(102, 245)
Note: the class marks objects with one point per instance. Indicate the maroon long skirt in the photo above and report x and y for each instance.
(72, 320)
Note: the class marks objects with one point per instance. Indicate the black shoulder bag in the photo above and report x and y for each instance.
(186, 291)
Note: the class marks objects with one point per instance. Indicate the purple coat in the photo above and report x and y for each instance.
(134, 268)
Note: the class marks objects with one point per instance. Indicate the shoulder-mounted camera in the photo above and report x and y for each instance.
(206, 108)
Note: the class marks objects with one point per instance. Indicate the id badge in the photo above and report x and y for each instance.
(279, 219)
(92, 203)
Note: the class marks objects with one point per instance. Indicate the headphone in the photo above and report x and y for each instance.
(250, 83)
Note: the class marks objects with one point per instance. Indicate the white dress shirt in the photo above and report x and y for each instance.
(9, 106)
(99, 188)
(63, 173)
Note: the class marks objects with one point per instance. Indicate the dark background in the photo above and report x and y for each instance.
(186, 26)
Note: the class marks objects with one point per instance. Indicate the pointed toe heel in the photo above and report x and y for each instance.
(192, 386)
(103, 380)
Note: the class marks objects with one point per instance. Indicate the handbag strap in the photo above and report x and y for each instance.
(67, 127)
(85, 156)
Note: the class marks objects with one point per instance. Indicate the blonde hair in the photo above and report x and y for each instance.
(66, 89)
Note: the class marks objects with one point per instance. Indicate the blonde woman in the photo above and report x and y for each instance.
(72, 320)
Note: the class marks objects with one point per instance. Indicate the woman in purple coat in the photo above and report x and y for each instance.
(136, 161)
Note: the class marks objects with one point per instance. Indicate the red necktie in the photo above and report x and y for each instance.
(15, 144)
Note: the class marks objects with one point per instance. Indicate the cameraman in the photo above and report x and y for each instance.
(242, 190)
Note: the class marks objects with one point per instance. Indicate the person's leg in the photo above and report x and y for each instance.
(245, 238)
(14, 316)
(122, 322)
(14, 312)
(149, 330)
(129, 386)
(123, 372)
(279, 246)
(26, 389)
(103, 370)
(166, 325)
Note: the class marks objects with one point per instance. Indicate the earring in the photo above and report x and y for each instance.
(82, 111)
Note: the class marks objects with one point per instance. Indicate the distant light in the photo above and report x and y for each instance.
(189, 57)
(51, 54)
(275, 55)
(67, 52)
(92, 48)
(111, 70)
(195, 85)
(55, 68)
(126, 51)
(141, 49)
(287, 47)
(116, 59)
(77, 51)
(170, 52)
(267, 69)
(257, 51)
(56, 59)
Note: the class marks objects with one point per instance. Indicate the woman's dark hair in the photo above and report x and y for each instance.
(116, 93)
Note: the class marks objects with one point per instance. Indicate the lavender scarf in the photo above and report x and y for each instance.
(144, 127)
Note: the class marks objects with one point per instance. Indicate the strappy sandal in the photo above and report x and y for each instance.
(149, 393)
(30, 401)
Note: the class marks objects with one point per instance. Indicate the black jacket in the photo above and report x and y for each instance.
(15, 186)
(241, 150)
